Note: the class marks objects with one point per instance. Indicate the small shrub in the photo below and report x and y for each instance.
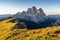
(57, 32)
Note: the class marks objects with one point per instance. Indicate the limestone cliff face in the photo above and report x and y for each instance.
(32, 14)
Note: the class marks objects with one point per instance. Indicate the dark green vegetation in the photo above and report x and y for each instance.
(33, 25)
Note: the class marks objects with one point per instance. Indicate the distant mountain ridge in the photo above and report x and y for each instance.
(2, 17)
(55, 17)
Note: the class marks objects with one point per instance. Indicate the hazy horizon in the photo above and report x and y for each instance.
(14, 6)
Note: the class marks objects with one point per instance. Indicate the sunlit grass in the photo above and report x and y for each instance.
(23, 34)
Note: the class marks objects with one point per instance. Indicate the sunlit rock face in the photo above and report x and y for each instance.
(32, 14)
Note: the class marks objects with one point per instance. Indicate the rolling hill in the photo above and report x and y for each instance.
(13, 30)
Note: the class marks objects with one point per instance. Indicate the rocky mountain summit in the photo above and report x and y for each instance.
(32, 14)
(33, 18)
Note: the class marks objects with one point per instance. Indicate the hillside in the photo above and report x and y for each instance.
(12, 31)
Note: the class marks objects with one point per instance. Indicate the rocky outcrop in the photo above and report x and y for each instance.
(32, 14)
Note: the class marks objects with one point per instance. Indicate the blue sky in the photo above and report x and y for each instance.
(13, 6)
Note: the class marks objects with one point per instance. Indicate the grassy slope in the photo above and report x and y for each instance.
(23, 34)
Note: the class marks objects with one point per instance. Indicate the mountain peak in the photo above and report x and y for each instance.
(40, 10)
(17, 12)
(29, 10)
(32, 14)
(32, 10)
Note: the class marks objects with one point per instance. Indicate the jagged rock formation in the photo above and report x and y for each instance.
(34, 18)
(32, 14)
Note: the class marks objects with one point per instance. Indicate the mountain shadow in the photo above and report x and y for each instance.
(33, 25)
